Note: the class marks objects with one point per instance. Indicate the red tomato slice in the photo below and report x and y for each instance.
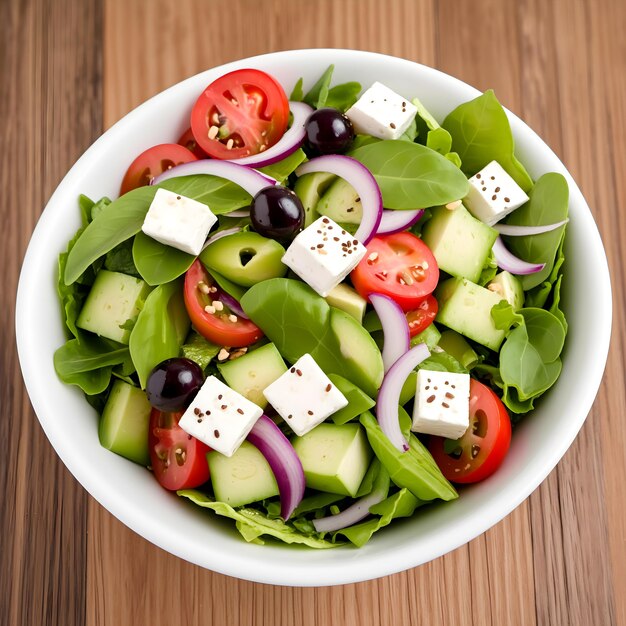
(218, 326)
(400, 266)
(423, 316)
(152, 162)
(239, 114)
(178, 459)
(481, 450)
(189, 141)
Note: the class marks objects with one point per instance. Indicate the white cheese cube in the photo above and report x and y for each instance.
(441, 404)
(220, 417)
(304, 396)
(323, 255)
(381, 112)
(493, 194)
(179, 222)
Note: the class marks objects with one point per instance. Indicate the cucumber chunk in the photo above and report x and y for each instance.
(243, 478)
(334, 457)
(358, 401)
(124, 423)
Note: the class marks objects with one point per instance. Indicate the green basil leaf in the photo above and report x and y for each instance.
(158, 263)
(318, 94)
(481, 133)
(411, 175)
(160, 329)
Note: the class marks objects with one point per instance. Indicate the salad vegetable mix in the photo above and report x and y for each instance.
(315, 314)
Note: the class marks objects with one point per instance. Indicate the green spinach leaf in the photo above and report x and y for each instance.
(297, 94)
(200, 350)
(343, 96)
(158, 263)
(411, 175)
(120, 259)
(299, 321)
(548, 204)
(318, 94)
(481, 133)
(160, 329)
(282, 169)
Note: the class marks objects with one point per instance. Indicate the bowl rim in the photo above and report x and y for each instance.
(404, 557)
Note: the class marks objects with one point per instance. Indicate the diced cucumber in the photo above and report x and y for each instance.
(242, 478)
(114, 299)
(341, 203)
(358, 401)
(461, 243)
(125, 421)
(250, 374)
(347, 299)
(466, 308)
(334, 457)
(509, 288)
(456, 346)
(430, 336)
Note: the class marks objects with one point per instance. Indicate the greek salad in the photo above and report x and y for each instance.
(315, 314)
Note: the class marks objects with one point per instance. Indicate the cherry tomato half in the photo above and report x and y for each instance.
(481, 450)
(152, 162)
(423, 316)
(189, 141)
(217, 326)
(178, 459)
(400, 266)
(239, 114)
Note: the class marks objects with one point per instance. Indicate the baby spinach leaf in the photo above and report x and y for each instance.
(548, 204)
(297, 93)
(200, 350)
(71, 296)
(556, 302)
(414, 470)
(439, 140)
(481, 133)
(228, 286)
(120, 259)
(299, 321)
(454, 158)
(158, 263)
(160, 329)
(544, 333)
(343, 96)
(411, 175)
(401, 504)
(282, 169)
(410, 134)
(358, 400)
(252, 524)
(317, 95)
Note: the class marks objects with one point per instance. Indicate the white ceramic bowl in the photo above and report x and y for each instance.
(131, 494)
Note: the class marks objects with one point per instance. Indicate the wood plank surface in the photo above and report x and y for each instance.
(69, 68)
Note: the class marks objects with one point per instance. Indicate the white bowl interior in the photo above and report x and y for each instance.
(131, 493)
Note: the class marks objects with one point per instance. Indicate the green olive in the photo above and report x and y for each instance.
(245, 258)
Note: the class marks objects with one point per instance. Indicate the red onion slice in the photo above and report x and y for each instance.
(363, 182)
(506, 260)
(288, 143)
(513, 230)
(397, 339)
(354, 513)
(389, 394)
(283, 460)
(397, 221)
(231, 303)
(221, 233)
(247, 178)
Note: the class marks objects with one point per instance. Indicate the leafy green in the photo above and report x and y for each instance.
(316, 502)
(282, 169)
(481, 133)
(401, 504)
(414, 470)
(299, 321)
(199, 349)
(430, 336)
(160, 329)
(548, 204)
(343, 96)
(297, 93)
(411, 175)
(441, 361)
(220, 195)
(71, 296)
(435, 137)
(370, 478)
(439, 140)
(489, 270)
(317, 95)
(504, 316)
(252, 524)
(556, 302)
(236, 291)
(98, 207)
(358, 400)
(120, 259)
(158, 263)
(410, 134)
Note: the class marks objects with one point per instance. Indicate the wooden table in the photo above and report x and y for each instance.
(69, 69)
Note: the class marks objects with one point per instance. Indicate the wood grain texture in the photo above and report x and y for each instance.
(560, 558)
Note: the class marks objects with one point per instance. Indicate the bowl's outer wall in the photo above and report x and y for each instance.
(131, 494)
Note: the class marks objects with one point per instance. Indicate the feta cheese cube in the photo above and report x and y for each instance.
(381, 112)
(323, 255)
(179, 222)
(304, 396)
(220, 417)
(441, 404)
(493, 194)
